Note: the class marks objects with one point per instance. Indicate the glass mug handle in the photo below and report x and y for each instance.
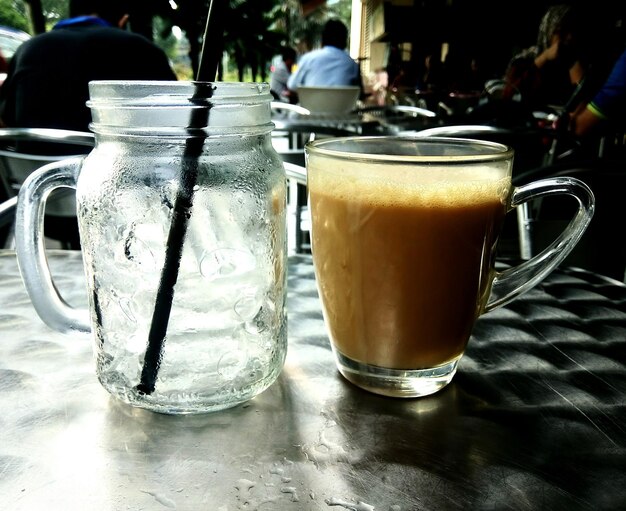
(514, 281)
(29, 242)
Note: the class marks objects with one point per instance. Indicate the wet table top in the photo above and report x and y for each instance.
(534, 419)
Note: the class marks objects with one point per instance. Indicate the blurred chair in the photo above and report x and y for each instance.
(393, 119)
(298, 221)
(534, 148)
(500, 104)
(289, 137)
(331, 100)
(297, 197)
(282, 108)
(293, 160)
(18, 159)
(294, 126)
(7, 217)
(602, 248)
(284, 139)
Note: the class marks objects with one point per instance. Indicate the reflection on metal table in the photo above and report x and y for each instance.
(535, 418)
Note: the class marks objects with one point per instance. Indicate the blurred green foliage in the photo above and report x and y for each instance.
(254, 31)
(13, 14)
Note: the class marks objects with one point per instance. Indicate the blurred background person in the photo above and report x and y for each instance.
(571, 57)
(378, 85)
(329, 65)
(280, 75)
(574, 45)
(46, 84)
(547, 72)
(431, 75)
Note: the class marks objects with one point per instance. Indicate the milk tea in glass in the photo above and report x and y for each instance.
(404, 236)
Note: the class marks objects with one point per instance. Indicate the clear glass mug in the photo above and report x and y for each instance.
(181, 211)
(404, 235)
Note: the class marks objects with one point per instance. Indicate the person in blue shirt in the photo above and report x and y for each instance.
(330, 65)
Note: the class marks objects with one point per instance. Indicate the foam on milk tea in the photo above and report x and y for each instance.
(404, 256)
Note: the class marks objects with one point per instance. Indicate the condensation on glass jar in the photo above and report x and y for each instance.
(226, 336)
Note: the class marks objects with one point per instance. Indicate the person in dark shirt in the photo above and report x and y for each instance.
(48, 77)
(47, 82)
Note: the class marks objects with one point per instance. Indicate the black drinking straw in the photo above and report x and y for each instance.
(209, 60)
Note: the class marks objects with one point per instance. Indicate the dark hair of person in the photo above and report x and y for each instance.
(109, 10)
(335, 33)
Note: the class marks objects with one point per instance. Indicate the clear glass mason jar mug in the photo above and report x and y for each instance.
(181, 211)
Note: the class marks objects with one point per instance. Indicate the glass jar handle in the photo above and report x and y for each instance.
(29, 241)
(514, 281)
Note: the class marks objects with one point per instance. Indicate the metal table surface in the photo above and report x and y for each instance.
(534, 419)
(366, 123)
(300, 127)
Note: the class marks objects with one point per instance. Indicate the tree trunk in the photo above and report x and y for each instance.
(36, 16)
(141, 14)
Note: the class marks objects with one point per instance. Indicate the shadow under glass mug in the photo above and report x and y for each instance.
(404, 234)
(181, 212)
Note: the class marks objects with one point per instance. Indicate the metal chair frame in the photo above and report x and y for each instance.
(602, 248)
(15, 165)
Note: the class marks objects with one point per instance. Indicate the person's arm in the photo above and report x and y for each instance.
(549, 54)
(576, 72)
(586, 121)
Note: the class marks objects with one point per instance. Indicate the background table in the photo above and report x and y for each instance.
(534, 419)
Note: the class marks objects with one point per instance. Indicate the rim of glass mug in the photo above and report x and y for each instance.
(176, 92)
(457, 150)
(138, 106)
